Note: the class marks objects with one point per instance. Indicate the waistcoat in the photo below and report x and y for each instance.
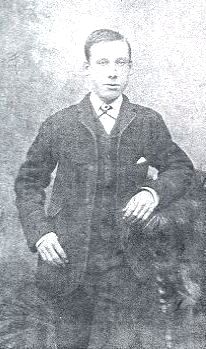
(104, 252)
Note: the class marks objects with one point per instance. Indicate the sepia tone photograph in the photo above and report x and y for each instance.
(103, 174)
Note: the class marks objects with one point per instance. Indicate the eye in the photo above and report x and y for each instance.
(102, 62)
(121, 62)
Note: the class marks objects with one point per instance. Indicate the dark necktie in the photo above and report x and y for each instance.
(105, 110)
(106, 119)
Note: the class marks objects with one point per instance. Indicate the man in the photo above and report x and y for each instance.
(101, 198)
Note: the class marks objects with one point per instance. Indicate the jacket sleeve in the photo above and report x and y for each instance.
(33, 177)
(175, 170)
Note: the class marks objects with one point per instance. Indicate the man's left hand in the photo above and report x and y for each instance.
(139, 207)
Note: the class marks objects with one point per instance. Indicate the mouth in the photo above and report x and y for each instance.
(112, 86)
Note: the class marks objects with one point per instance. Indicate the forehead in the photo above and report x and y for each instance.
(109, 49)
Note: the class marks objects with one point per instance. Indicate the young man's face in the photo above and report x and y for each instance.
(109, 69)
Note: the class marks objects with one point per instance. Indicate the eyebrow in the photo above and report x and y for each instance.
(117, 59)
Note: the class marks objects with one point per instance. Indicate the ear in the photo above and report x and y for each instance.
(131, 68)
(86, 67)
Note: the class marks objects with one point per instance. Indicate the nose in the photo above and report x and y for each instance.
(112, 72)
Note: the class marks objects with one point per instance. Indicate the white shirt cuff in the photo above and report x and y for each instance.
(51, 236)
(154, 194)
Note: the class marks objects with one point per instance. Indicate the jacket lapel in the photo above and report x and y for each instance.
(86, 115)
(126, 115)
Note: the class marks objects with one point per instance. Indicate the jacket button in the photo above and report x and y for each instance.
(161, 291)
(159, 279)
(164, 308)
(91, 168)
(168, 339)
(162, 301)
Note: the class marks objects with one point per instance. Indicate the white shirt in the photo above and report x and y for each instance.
(107, 121)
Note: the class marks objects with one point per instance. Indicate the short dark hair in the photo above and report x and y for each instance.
(101, 35)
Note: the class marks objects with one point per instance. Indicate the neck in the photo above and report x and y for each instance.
(106, 101)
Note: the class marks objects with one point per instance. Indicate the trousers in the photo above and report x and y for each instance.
(111, 310)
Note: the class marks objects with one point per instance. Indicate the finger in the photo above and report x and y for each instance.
(130, 208)
(146, 215)
(60, 251)
(54, 256)
(138, 207)
(42, 255)
(135, 218)
(46, 250)
(129, 204)
(141, 210)
(146, 211)
(47, 255)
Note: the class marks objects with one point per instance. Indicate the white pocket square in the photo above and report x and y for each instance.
(141, 160)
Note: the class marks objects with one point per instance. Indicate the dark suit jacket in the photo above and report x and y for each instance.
(68, 139)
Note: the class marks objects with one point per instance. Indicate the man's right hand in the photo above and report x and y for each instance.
(51, 251)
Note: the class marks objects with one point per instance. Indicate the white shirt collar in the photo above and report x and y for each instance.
(97, 103)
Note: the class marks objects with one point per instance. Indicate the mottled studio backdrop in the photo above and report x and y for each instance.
(41, 71)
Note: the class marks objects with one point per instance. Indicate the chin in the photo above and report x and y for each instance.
(110, 97)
